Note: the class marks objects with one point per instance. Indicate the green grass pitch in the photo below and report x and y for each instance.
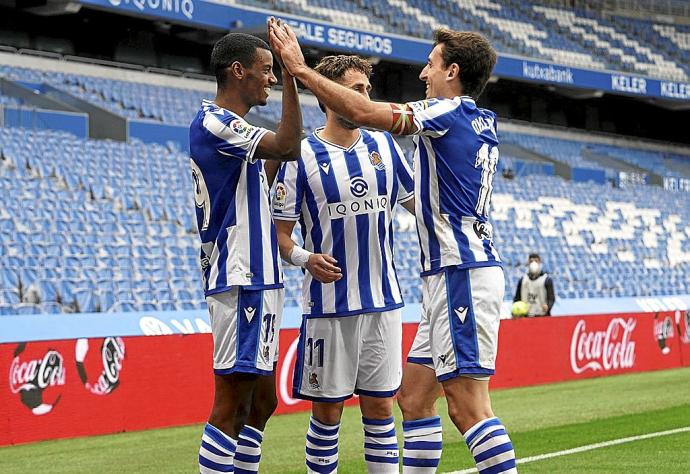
(542, 419)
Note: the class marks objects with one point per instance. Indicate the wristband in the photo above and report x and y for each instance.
(299, 256)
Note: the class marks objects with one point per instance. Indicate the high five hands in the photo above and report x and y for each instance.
(284, 44)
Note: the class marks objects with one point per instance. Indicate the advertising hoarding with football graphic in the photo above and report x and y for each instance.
(80, 387)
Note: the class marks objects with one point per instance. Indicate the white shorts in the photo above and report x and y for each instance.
(340, 356)
(458, 331)
(245, 326)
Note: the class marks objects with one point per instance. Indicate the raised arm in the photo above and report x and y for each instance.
(284, 145)
(396, 118)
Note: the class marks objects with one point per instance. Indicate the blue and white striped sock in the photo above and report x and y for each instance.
(491, 447)
(322, 447)
(380, 446)
(216, 452)
(248, 453)
(423, 445)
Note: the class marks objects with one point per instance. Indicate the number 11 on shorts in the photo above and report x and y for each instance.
(315, 345)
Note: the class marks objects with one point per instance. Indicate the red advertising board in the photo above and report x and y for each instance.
(682, 319)
(543, 350)
(82, 387)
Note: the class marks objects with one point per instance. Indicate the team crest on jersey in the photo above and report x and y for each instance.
(376, 161)
(281, 195)
(241, 128)
(314, 381)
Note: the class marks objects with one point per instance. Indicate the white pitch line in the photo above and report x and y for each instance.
(587, 447)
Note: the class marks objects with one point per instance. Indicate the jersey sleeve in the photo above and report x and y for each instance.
(289, 191)
(235, 138)
(434, 117)
(403, 173)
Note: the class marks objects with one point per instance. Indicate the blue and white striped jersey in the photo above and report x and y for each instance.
(455, 161)
(344, 200)
(238, 238)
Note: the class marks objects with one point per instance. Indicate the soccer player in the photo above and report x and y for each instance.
(462, 278)
(240, 263)
(343, 192)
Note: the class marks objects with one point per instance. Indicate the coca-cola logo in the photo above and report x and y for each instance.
(108, 363)
(43, 373)
(609, 349)
(663, 331)
(31, 378)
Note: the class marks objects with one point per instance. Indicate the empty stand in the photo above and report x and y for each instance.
(595, 240)
(108, 226)
(573, 37)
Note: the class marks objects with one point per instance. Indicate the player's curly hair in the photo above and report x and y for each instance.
(335, 67)
(234, 47)
(472, 53)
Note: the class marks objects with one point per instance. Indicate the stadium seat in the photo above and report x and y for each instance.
(132, 242)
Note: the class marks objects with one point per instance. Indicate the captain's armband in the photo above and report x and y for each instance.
(403, 120)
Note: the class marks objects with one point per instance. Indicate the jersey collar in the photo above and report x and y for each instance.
(326, 142)
(210, 106)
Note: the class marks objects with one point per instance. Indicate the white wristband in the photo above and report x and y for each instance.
(299, 256)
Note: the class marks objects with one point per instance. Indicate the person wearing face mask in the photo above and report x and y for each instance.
(536, 288)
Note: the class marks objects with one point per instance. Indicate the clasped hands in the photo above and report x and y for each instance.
(284, 44)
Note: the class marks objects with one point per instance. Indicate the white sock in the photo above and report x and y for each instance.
(217, 451)
(380, 446)
(491, 447)
(423, 445)
(322, 447)
(248, 453)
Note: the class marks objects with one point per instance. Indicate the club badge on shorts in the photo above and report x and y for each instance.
(314, 381)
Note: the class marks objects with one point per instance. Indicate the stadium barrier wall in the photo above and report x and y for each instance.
(588, 174)
(80, 387)
(39, 119)
(524, 168)
(150, 131)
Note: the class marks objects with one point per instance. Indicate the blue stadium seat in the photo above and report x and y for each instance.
(26, 308)
(85, 300)
(134, 242)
